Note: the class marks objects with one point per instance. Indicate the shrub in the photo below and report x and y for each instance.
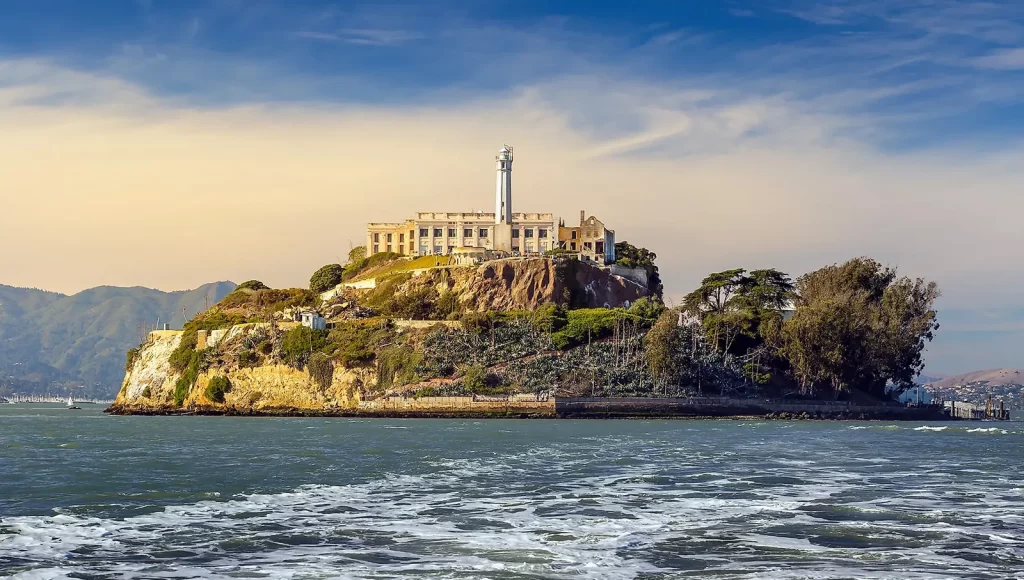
(478, 321)
(251, 285)
(647, 309)
(447, 306)
(129, 362)
(266, 347)
(549, 318)
(396, 365)
(216, 388)
(188, 377)
(353, 343)
(475, 379)
(586, 325)
(147, 392)
(321, 370)
(247, 358)
(326, 278)
(299, 342)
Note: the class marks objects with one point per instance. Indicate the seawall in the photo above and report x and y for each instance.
(575, 408)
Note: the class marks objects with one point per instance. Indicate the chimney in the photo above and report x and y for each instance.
(583, 216)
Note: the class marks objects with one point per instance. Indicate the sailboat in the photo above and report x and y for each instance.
(71, 403)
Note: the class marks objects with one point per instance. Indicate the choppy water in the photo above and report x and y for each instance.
(89, 496)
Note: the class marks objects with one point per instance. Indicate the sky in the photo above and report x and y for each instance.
(171, 143)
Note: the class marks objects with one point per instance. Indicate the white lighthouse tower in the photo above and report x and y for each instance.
(503, 201)
(503, 190)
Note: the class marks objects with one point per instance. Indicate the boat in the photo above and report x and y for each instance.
(71, 403)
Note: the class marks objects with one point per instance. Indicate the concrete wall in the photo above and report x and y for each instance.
(719, 406)
(638, 275)
(467, 405)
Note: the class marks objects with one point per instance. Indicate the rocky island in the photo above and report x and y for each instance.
(390, 335)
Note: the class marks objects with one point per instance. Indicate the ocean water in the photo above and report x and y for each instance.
(84, 495)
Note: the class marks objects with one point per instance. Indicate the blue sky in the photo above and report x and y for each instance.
(919, 74)
(720, 134)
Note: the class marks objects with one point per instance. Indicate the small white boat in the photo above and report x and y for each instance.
(71, 403)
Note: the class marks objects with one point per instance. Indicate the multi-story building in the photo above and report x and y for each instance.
(590, 238)
(441, 233)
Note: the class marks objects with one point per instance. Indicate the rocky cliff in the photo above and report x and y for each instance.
(406, 335)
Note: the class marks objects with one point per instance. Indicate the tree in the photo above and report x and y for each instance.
(252, 285)
(733, 306)
(326, 278)
(357, 254)
(630, 256)
(858, 325)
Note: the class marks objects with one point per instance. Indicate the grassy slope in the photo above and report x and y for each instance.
(401, 265)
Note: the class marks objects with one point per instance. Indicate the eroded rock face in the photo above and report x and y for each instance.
(151, 375)
(525, 284)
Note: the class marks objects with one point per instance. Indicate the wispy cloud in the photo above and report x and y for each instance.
(1007, 59)
(364, 36)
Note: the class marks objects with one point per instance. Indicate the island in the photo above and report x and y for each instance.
(510, 314)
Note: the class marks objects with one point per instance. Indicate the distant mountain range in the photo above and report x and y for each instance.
(993, 377)
(50, 342)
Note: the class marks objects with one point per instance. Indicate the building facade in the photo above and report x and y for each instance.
(440, 233)
(504, 231)
(591, 239)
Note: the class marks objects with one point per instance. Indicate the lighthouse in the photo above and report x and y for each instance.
(503, 201)
(503, 189)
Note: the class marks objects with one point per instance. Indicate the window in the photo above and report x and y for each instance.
(599, 246)
(586, 245)
(423, 232)
(412, 234)
(451, 232)
(574, 235)
(515, 233)
(467, 233)
(438, 232)
(437, 250)
(410, 246)
(376, 237)
(401, 238)
(572, 246)
(515, 248)
(451, 248)
(542, 233)
(376, 249)
(389, 241)
(483, 233)
(528, 232)
(389, 247)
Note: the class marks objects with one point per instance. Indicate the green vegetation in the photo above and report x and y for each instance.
(354, 343)
(855, 326)
(630, 256)
(216, 388)
(858, 325)
(299, 343)
(129, 362)
(252, 285)
(357, 254)
(389, 263)
(586, 325)
(321, 369)
(396, 365)
(326, 278)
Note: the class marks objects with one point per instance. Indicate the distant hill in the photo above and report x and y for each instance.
(993, 377)
(49, 341)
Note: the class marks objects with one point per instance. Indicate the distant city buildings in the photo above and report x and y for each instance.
(500, 233)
